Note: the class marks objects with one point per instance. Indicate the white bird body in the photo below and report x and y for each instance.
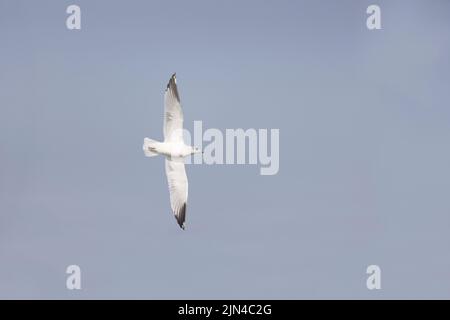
(169, 149)
(174, 149)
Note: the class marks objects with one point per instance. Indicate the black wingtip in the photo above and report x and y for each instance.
(172, 79)
(181, 216)
(172, 85)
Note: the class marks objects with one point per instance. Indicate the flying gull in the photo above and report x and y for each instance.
(174, 149)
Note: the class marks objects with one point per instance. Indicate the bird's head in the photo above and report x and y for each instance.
(196, 150)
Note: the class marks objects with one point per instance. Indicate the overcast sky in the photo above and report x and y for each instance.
(364, 124)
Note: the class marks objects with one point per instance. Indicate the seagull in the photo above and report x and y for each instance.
(174, 149)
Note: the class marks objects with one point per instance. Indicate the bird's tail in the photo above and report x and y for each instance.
(150, 147)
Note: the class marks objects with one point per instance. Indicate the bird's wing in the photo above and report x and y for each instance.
(178, 188)
(173, 114)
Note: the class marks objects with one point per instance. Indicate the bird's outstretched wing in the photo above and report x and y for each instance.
(178, 188)
(173, 114)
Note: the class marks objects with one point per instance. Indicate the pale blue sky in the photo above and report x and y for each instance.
(364, 123)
